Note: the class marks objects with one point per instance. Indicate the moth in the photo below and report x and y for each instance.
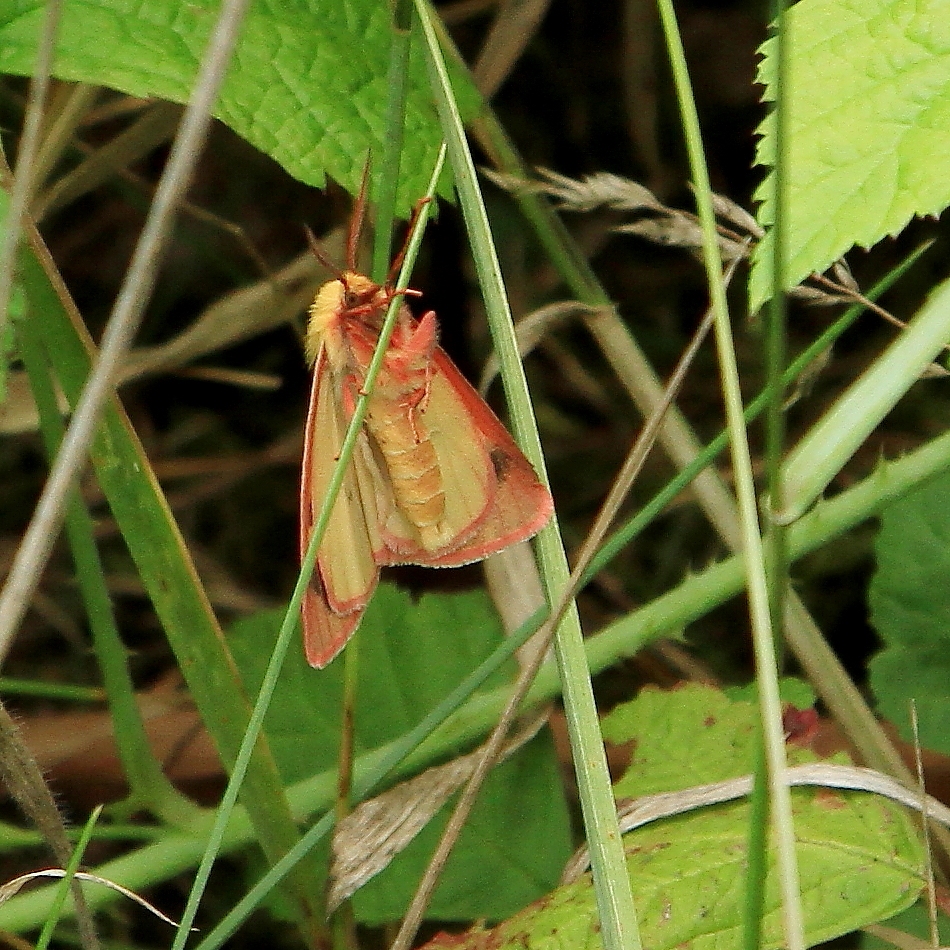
(435, 479)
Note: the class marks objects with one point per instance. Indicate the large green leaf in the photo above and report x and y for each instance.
(307, 85)
(411, 657)
(868, 127)
(860, 859)
(910, 608)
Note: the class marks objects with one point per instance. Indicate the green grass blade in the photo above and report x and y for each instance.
(163, 561)
(149, 786)
(766, 666)
(64, 886)
(615, 902)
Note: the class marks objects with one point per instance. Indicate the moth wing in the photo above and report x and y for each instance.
(347, 571)
(492, 494)
(520, 505)
(466, 473)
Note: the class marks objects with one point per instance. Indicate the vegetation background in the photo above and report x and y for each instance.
(588, 92)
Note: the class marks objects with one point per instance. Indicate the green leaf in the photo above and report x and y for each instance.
(910, 609)
(411, 656)
(307, 84)
(688, 875)
(868, 128)
(791, 690)
(915, 921)
(859, 855)
(691, 736)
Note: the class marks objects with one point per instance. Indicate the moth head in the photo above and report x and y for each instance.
(349, 296)
(360, 295)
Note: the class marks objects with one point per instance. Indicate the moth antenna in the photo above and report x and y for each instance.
(356, 223)
(320, 256)
(397, 263)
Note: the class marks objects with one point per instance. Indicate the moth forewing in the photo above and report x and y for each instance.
(511, 505)
(332, 605)
(349, 581)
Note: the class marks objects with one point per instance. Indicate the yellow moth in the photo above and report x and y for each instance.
(435, 479)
